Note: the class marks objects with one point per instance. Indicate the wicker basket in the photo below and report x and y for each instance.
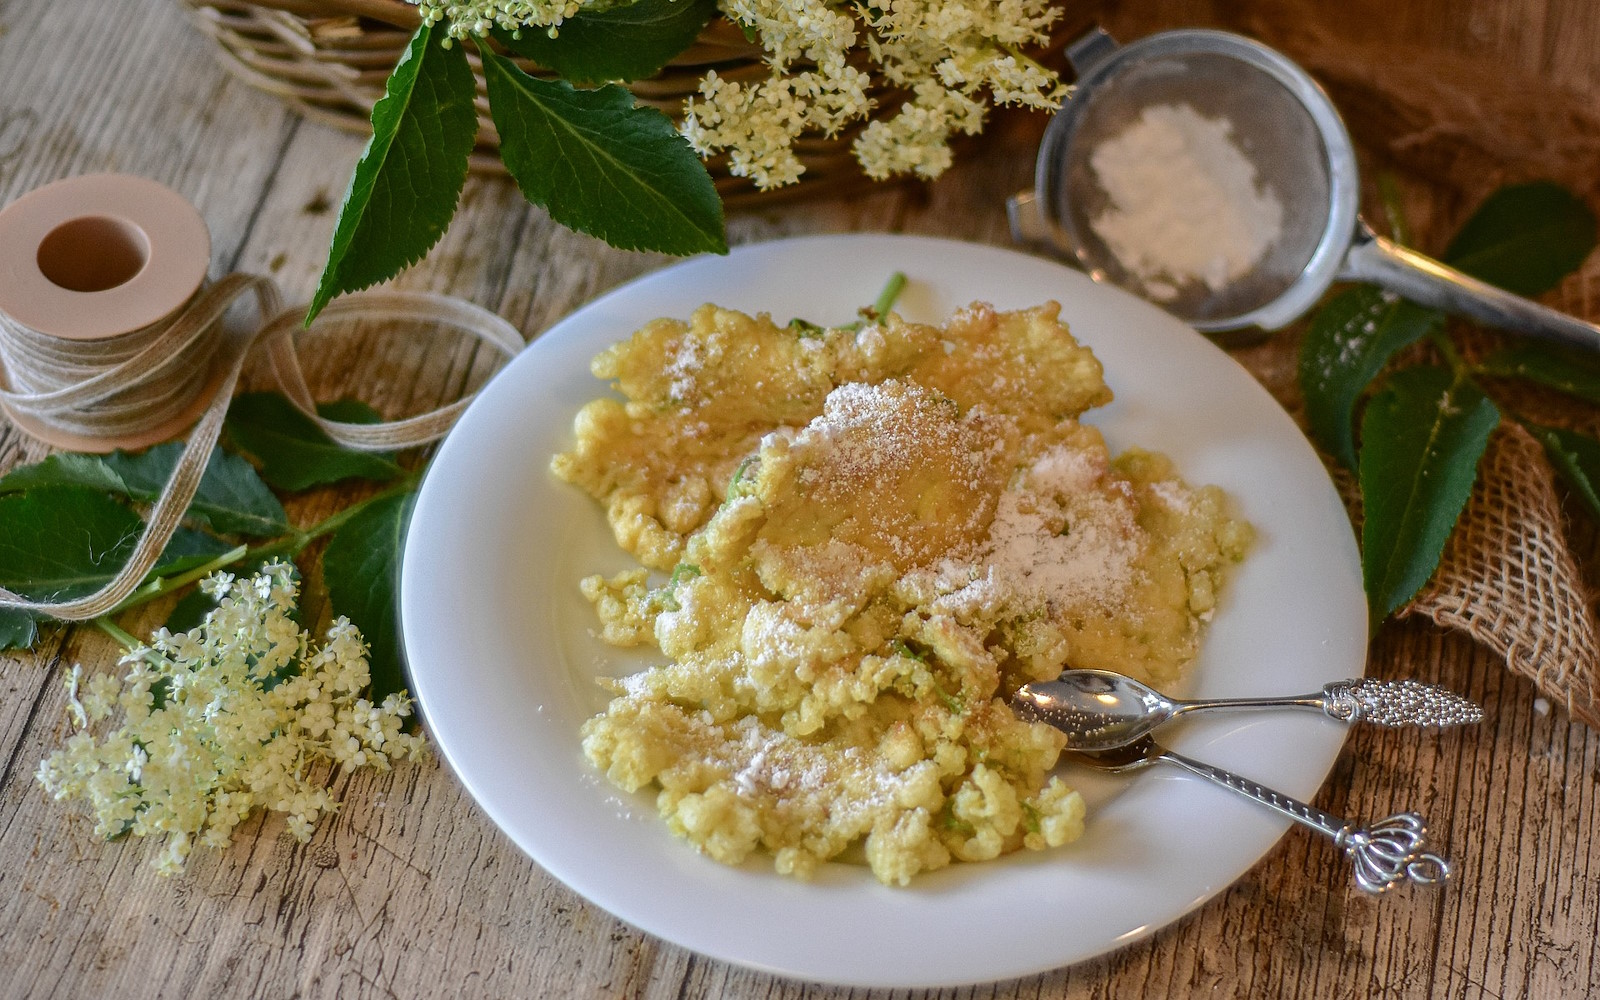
(329, 59)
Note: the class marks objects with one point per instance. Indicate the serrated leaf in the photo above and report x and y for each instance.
(1422, 436)
(292, 451)
(1525, 238)
(1571, 371)
(18, 629)
(231, 498)
(65, 468)
(1577, 458)
(601, 165)
(60, 542)
(361, 568)
(409, 178)
(1350, 340)
(632, 42)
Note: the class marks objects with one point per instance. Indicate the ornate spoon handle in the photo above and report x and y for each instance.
(1386, 853)
(1398, 703)
(1382, 703)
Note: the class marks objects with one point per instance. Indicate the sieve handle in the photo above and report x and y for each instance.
(1029, 227)
(1090, 50)
(1423, 280)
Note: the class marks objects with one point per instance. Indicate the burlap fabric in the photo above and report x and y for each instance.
(1510, 577)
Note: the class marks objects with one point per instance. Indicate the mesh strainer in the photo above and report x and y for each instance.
(1290, 132)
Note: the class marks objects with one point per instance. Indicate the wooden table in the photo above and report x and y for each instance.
(410, 891)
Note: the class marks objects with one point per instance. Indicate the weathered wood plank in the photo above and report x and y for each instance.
(411, 891)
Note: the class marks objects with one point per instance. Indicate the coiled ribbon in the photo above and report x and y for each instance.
(122, 385)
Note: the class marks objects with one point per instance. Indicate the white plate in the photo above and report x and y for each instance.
(502, 648)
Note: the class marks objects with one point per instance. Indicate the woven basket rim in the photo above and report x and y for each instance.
(398, 13)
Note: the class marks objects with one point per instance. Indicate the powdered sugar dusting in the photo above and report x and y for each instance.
(765, 763)
(898, 473)
(684, 369)
(1067, 537)
(1090, 561)
(871, 433)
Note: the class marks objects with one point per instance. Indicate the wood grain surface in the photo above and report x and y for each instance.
(410, 891)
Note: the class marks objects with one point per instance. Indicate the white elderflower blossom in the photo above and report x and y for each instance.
(822, 58)
(476, 17)
(950, 54)
(223, 719)
(917, 140)
(757, 125)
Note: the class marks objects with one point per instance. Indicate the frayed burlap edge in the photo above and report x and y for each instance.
(1508, 578)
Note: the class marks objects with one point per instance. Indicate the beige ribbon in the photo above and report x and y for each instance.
(125, 383)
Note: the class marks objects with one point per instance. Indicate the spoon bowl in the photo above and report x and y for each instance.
(1096, 709)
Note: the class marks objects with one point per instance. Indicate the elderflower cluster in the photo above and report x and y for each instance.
(222, 719)
(950, 57)
(476, 17)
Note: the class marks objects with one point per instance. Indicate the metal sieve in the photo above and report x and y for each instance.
(1288, 129)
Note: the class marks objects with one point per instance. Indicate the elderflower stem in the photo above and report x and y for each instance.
(117, 632)
(333, 522)
(1458, 366)
(128, 641)
(289, 546)
(167, 584)
(881, 306)
(891, 292)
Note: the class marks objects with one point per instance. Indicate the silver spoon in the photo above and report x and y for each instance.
(1385, 854)
(1099, 709)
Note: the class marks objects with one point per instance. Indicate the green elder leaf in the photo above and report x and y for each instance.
(231, 497)
(601, 165)
(1571, 371)
(351, 411)
(59, 542)
(631, 42)
(1349, 341)
(1525, 238)
(409, 178)
(66, 468)
(18, 629)
(292, 451)
(1422, 436)
(1577, 458)
(361, 568)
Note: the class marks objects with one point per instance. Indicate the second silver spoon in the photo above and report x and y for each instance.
(1387, 853)
(1099, 709)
